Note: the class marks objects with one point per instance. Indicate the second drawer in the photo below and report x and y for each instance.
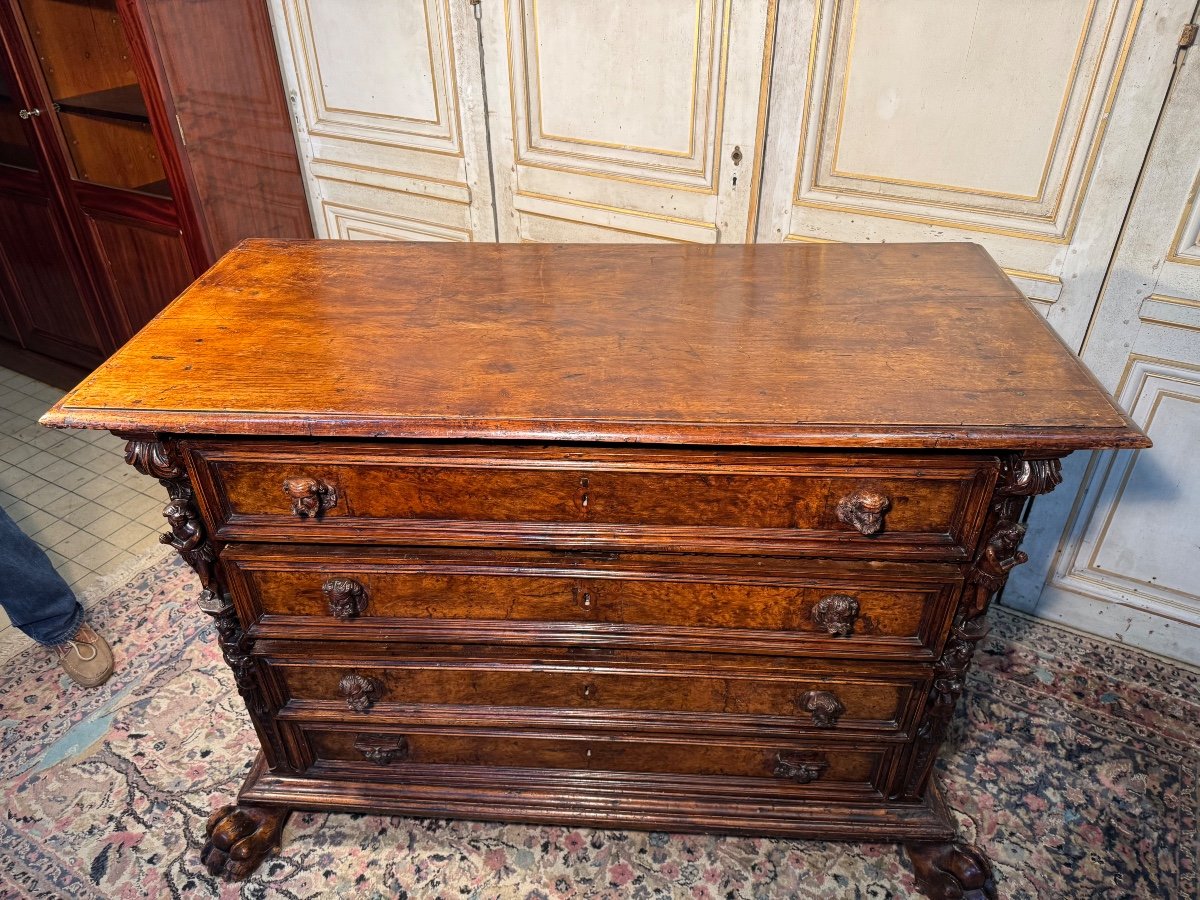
(849, 609)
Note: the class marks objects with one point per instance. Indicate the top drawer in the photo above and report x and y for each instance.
(847, 504)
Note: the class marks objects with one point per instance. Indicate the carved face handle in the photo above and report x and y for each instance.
(836, 614)
(382, 749)
(864, 510)
(360, 691)
(310, 496)
(800, 767)
(826, 709)
(346, 597)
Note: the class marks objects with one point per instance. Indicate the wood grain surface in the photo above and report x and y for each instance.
(813, 345)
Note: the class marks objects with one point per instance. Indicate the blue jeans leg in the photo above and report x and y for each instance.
(36, 599)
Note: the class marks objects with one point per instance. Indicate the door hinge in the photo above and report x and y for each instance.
(1188, 35)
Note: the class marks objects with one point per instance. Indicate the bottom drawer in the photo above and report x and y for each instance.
(756, 766)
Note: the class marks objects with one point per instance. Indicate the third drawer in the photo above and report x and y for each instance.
(593, 689)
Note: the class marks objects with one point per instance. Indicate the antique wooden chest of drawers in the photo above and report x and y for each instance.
(686, 538)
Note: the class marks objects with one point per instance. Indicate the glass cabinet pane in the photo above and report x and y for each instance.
(87, 64)
(14, 137)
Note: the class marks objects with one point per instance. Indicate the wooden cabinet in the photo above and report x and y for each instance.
(139, 140)
(684, 538)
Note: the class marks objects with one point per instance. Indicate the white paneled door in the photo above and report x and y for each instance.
(1019, 124)
(1121, 554)
(625, 120)
(1023, 125)
(387, 103)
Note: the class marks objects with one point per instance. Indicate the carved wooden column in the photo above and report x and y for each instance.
(953, 871)
(238, 837)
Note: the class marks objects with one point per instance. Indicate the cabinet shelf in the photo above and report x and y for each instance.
(125, 103)
(158, 188)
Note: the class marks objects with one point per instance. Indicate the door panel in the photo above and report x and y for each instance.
(900, 122)
(47, 306)
(145, 266)
(388, 110)
(1128, 560)
(626, 120)
(47, 302)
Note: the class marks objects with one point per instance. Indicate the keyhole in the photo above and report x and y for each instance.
(584, 484)
(588, 690)
(587, 600)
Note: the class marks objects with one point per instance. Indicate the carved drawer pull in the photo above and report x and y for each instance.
(310, 496)
(836, 614)
(360, 691)
(347, 598)
(826, 709)
(801, 768)
(864, 510)
(382, 749)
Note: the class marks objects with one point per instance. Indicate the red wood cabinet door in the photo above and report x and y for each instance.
(144, 263)
(47, 302)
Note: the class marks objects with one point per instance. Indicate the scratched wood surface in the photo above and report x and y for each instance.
(812, 345)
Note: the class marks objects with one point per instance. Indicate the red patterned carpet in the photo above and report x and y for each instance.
(1078, 776)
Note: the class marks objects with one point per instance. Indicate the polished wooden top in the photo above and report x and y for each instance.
(887, 345)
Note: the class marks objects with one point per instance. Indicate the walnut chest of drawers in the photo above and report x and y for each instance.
(684, 538)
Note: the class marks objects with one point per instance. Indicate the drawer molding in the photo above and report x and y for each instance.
(894, 506)
(816, 608)
(756, 766)
(543, 687)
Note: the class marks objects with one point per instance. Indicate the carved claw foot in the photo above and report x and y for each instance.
(952, 871)
(239, 838)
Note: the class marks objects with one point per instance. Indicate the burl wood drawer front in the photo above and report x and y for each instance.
(866, 505)
(616, 690)
(764, 767)
(897, 610)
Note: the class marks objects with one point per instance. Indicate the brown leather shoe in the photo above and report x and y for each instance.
(87, 658)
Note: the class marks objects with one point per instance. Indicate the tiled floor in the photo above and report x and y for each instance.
(71, 492)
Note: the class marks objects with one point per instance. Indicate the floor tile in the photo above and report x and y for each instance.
(95, 556)
(19, 454)
(37, 520)
(54, 533)
(134, 534)
(26, 486)
(96, 486)
(109, 521)
(85, 515)
(75, 545)
(120, 498)
(66, 504)
(71, 490)
(44, 496)
(18, 509)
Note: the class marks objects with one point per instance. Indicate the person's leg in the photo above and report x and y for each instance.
(39, 603)
(36, 598)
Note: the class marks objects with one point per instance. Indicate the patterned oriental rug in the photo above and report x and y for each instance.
(1078, 775)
